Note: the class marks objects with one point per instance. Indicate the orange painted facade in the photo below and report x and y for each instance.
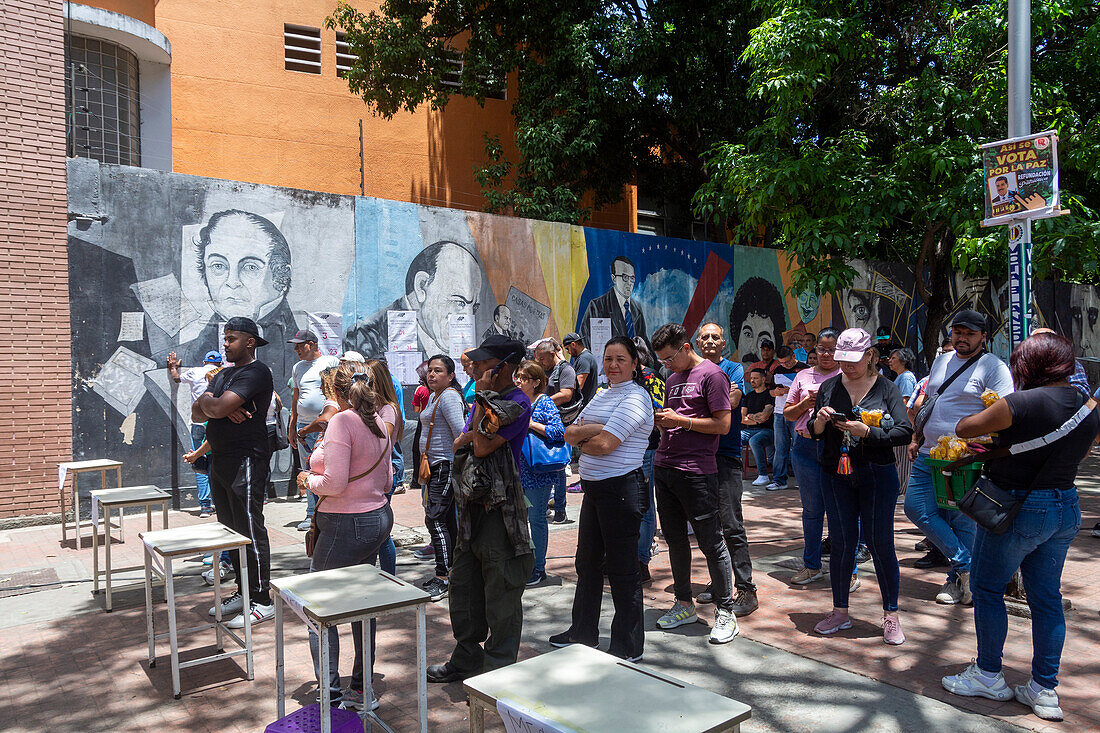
(239, 114)
(143, 10)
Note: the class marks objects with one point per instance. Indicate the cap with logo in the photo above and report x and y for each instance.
(245, 325)
(303, 337)
(212, 357)
(973, 320)
(852, 344)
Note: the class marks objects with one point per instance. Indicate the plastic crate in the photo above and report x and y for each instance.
(308, 720)
(950, 488)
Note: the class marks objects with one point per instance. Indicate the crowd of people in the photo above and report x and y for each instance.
(663, 429)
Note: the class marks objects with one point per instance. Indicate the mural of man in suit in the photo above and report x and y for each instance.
(617, 304)
(442, 279)
(502, 324)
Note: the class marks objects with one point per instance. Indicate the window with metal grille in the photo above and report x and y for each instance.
(101, 81)
(302, 48)
(452, 77)
(344, 57)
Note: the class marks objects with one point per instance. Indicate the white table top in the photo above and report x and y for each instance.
(92, 465)
(130, 495)
(589, 690)
(195, 538)
(330, 596)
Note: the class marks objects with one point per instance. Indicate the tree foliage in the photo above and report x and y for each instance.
(869, 145)
(609, 91)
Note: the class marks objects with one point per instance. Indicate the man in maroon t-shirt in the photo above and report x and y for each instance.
(695, 416)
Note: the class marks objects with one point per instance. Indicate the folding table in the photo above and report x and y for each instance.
(581, 689)
(108, 499)
(343, 595)
(168, 544)
(74, 469)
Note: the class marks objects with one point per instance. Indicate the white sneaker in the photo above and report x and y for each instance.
(260, 613)
(725, 627)
(678, 615)
(224, 569)
(950, 593)
(232, 604)
(775, 486)
(973, 682)
(761, 480)
(1043, 703)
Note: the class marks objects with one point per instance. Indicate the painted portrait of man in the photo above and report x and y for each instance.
(444, 278)
(502, 323)
(617, 304)
(757, 315)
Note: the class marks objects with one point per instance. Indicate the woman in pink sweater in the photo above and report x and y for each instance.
(351, 473)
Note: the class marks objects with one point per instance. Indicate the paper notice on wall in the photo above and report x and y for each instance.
(165, 304)
(403, 365)
(121, 381)
(520, 719)
(133, 327)
(460, 336)
(328, 327)
(600, 334)
(402, 330)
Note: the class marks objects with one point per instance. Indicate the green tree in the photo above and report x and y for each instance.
(869, 145)
(609, 91)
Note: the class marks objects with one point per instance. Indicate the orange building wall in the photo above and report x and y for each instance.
(143, 10)
(237, 113)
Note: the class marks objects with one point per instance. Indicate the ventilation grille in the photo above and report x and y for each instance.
(344, 57)
(302, 48)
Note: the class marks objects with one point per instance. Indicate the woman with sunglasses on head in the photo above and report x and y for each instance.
(804, 453)
(860, 417)
(350, 472)
(612, 433)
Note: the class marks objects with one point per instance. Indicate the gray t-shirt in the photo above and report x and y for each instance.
(963, 397)
(307, 380)
(449, 420)
(562, 376)
(586, 364)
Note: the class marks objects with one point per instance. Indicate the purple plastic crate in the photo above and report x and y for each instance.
(308, 720)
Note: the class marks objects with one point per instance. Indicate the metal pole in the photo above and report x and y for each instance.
(1019, 125)
(362, 161)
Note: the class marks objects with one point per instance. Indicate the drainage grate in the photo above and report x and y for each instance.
(15, 584)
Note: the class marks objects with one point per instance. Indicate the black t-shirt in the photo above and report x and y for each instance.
(755, 402)
(586, 364)
(253, 383)
(1036, 412)
(878, 447)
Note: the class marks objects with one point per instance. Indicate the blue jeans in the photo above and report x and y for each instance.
(538, 493)
(345, 540)
(1036, 544)
(305, 448)
(649, 519)
(783, 432)
(864, 500)
(759, 440)
(202, 480)
(559, 492)
(810, 476)
(950, 531)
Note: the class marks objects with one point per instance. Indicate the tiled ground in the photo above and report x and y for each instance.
(65, 665)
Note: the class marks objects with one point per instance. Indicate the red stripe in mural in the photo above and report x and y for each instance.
(714, 272)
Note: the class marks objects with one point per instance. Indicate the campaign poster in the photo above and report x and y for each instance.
(1021, 178)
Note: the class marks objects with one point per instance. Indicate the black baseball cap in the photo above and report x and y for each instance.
(882, 334)
(304, 336)
(973, 320)
(245, 325)
(499, 346)
(571, 338)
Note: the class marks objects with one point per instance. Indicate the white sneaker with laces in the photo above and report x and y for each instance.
(224, 569)
(974, 682)
(950, 593)
(761, 480)
(775, 486)
(725, 627)
(1043, 703)
(232, 604)
(260, 613)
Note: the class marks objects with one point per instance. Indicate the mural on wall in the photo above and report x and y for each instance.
(159, 261)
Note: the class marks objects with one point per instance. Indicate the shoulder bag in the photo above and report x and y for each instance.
(544, 456)
(314, 532)
(278, 436)
(992, 508)
(424, 470)
(925, 411)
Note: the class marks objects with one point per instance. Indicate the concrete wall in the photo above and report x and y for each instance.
(35, 406)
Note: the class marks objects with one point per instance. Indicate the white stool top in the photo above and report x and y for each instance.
(130, 495)
(330, 596)
(195, 538)
(589, 690)
(91, 465)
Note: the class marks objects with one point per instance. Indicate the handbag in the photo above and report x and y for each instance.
(278, 437)
(992, 508)
(314, 531)
(424, 470)
(925, 411)
(542, 456)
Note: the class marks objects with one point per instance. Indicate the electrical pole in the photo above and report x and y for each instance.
(1019, 125)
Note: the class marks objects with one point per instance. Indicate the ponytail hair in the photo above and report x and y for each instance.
(353, 384)
(638, 377)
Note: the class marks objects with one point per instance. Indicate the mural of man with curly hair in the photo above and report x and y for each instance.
(757, 315)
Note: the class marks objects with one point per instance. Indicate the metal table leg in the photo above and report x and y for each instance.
(149, 608)
(106, 548)
(95, 552)
(170, 592)
(477, 716)
(246, 609)
(326, 721)
(280, 672)
(422, 667)
(218, 630)
(366, 714)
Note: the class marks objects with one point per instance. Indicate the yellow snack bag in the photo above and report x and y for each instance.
(871, 417)
(989, 397)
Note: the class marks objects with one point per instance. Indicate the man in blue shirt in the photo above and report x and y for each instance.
(711, 340)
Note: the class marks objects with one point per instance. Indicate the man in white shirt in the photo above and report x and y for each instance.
(307, 404)
(952, 532)
(196, 379)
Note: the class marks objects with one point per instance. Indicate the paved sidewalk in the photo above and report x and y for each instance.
(67, 665)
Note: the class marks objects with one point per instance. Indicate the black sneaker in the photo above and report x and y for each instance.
(745, 603)
(559, 516)
(536, 578)
(862, 554)
(437, 588)
(923, 546)
(705, 597)
(934, 559)
(445, 672)
(1096, 530)
(564, 639)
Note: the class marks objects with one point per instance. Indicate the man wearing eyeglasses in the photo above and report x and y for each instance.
(617, 304)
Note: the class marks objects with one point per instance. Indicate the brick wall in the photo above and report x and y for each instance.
(35, 363)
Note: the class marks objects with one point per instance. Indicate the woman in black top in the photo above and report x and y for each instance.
(860, 417)
(1041, 533)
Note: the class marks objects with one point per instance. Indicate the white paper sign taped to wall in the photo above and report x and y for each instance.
(402, 330)
(520, 719)
(403, 365)
(328, 327)
(460, 336)
(600, 334)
